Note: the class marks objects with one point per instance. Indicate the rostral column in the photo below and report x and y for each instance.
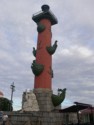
(42, 97)
(42, 65)
(44, 20)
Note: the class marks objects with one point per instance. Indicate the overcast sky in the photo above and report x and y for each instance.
(73, 62)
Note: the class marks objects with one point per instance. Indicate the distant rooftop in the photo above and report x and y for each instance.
(1, 94)
(75, 108)
(45, 13)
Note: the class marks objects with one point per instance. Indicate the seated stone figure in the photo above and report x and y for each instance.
(30, 102)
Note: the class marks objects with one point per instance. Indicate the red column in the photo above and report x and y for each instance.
(43, 57)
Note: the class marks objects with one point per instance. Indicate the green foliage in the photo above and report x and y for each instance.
(5, 104)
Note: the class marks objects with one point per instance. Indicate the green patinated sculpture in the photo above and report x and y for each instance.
(40, 27)
(58, 99)
(34, 51)
(52, 49)
(37, 69)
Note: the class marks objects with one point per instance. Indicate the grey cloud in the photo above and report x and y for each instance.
(74, 58)
(75, 74)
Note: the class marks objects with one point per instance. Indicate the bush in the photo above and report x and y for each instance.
(5, 104)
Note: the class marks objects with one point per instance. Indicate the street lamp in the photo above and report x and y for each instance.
(12, 87)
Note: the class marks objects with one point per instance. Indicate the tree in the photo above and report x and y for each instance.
(5, 104)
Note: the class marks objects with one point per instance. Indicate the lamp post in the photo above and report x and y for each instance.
(12, 87)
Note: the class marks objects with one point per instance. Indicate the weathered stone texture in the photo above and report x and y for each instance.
(36, 118)
(44, 99)
(29, 102)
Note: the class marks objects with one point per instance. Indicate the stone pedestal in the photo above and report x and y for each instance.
(38, 100)
(43, 97)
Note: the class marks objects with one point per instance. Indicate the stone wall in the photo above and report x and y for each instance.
(36, 118)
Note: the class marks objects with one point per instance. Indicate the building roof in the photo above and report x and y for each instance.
(76, 108)
(88, 110)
